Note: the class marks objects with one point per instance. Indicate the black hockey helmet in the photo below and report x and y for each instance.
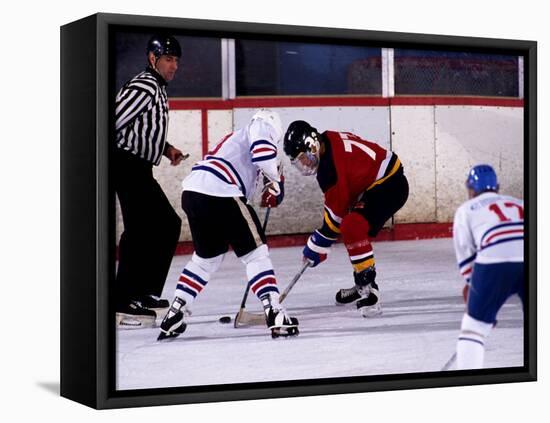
(163, 44)
(302, 144)
(297, 138)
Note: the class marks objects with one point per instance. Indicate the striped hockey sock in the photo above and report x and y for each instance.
(354, 233)
(260, 274)
(264, 283)
(192, 281)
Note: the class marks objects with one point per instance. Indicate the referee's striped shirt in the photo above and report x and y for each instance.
(142, 116)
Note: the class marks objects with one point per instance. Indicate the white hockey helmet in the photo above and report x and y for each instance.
(273, 119)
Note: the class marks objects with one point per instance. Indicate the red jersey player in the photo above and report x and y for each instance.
(363, 185)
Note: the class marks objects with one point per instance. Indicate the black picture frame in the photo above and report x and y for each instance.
(87, 368)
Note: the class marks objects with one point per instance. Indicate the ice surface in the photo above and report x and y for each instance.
(422, 309)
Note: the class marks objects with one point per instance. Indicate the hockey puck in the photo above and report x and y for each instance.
(225, 319)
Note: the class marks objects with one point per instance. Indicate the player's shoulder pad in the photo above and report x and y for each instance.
(331, 135)
(515, 199)
(260, 131)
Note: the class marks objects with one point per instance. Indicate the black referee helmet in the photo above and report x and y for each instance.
(163, 44)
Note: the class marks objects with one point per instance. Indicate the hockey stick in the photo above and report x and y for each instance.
(266, 218)
(293, 282)
(449, 362)
(245, 318)
(242, 316)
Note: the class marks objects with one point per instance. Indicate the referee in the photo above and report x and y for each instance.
(151, 226)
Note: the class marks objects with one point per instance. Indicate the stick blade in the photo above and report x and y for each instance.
(244, 318)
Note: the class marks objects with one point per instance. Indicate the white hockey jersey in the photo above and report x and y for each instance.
(231, 169)
(488, 229)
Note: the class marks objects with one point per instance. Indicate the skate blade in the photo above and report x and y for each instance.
(159, 310)
(346, 303)
(172, 333)
(169, 335)
(343, 304)
(128, 321)
(284, 332)
(373, 311)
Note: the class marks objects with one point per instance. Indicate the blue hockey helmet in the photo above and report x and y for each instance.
(482, 178)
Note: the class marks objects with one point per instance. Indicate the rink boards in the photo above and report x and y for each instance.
(437, 139)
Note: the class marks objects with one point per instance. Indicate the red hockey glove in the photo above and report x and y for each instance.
(273, 193)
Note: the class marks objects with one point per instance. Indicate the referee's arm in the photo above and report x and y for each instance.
(130, 103)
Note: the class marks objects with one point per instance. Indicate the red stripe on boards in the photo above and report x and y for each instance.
(351, 101)
(399, 232)
(204, 127)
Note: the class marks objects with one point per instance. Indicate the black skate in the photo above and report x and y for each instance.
(347, 296)
(280, 324)
(152, 302)
(276, 318)
(135, 316)
(369, 304)
(173, 323)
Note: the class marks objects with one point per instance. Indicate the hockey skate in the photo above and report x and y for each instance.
(135, 316)
(152, 302)
(369, 302)
(280, 324)
(347, 296)
(174, 323)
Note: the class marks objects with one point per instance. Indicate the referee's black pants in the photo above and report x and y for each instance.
(151, 230)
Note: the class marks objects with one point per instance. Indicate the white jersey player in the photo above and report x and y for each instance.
(488, 240)
(215, 199)
(231, 169)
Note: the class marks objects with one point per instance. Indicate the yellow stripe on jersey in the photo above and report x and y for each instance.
(330, 224)
(391, 172)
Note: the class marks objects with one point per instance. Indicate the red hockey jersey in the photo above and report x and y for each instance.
(348, 167)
